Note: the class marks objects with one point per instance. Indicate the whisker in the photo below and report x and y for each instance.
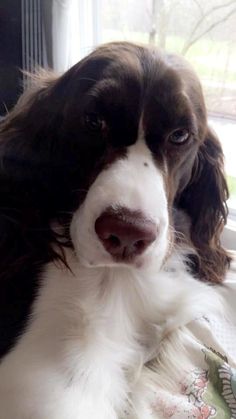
(87, 79)
(12, 220)
(177, 234)
(79, 190)
(65, 212)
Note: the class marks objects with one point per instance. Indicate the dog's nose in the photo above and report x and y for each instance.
(125, 233)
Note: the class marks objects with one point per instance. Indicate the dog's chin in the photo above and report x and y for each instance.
(150, 261)
(102, 262)
(134, 263)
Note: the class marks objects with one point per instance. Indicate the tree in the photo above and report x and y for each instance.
(159, 22)
(204, 25)
(209, 16)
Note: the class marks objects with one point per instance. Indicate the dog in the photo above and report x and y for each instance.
(113, 199)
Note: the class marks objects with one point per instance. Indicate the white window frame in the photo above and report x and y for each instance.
(89, 25)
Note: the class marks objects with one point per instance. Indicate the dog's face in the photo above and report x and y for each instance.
(139, 110)
(125, 135)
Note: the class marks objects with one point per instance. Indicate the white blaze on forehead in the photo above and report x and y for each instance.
(142, 181)
(133, 182)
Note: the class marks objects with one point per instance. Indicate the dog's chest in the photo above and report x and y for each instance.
(80, 352)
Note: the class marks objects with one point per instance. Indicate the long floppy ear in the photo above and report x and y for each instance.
(29, 183)
(204, 200)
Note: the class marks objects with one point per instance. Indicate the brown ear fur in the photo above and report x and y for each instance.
(204, 199)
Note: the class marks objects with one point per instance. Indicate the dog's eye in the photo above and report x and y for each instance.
(179, 136)
(94, 122)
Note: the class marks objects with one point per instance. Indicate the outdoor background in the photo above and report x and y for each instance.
(204, 31)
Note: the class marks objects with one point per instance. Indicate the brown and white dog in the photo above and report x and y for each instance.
(113, 199)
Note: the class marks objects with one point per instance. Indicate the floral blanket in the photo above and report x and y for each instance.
(209, 389)
(209, 392)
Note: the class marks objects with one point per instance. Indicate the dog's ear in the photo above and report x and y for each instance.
(28, 179)
(42, 170)
(204, 200)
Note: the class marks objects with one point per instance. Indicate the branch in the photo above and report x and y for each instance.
(218, 22)
(199, 7)
(206, 14)
(221, 6)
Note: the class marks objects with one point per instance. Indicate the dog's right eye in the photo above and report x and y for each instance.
(94, 122)
(179, 136)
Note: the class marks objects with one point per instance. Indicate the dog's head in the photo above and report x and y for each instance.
(112, 150)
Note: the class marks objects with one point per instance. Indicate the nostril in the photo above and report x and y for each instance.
(140, 245)
(114, 241)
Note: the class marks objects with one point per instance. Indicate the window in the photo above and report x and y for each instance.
(203, 31)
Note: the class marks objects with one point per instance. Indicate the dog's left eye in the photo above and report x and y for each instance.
(179, 136)
(94, 122)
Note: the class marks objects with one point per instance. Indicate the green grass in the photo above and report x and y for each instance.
(209, 58)
(232, 186)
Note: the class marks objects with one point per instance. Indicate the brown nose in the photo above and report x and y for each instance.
(125, 233)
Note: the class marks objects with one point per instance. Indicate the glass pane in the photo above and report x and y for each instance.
(226, 131)
(203, 31)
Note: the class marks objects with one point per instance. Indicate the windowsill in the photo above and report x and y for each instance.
(232, 209)
(226, 130)
(229, 234)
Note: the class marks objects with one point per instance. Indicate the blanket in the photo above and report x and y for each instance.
(208, 390)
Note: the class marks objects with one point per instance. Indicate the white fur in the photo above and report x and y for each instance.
(126, 183)
(92, 329)
(90, 334)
